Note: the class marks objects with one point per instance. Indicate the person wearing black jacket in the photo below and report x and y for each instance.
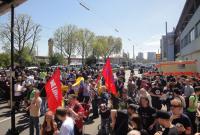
(146, 112)
(119, 123)
(163, 119)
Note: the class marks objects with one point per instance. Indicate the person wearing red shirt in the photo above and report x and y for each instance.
(77, 112)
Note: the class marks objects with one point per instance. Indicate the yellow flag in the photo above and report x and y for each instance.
(75, 86)
(99, 88)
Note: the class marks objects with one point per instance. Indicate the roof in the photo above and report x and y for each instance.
(5, 5)
(189, 9)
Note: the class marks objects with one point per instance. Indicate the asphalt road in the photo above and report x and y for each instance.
(22, 120)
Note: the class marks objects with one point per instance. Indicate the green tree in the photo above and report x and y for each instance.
(99, 46)
(85, 39)
(105, 46)
(26, 36)
(56, 59)
(65, 40)
(4, 59)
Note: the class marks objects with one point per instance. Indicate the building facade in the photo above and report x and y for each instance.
(187, 40)
(50, 47)
(140, 56)
(151, 56)
(133, 52)
(167, 47)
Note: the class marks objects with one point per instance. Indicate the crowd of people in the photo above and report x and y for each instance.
(144, 105)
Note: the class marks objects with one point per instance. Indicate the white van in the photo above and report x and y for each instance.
(75, 66)
(100, 65)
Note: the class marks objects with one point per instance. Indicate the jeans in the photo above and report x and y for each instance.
(43, 106)
(105, 126)
(34, 122)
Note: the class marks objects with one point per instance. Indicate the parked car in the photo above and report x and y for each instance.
(74, 66)
(115, 66)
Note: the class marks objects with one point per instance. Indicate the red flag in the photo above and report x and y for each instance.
(108, 76)
(53, 91)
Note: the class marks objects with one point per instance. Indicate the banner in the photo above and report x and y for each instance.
(75, 86)
(53, 91)
(109, 78)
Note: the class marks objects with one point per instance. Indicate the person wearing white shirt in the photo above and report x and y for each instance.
(67, 127)
(18, 91)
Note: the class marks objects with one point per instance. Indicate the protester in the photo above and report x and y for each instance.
(41, 87)
(119, 123)
(67, 127)
(134, 132)
(18, 91)
(47, 127)
(77, 112)
(34, 109)
(188, 91)
(104, 112)
(146, 113)
(134, 119)
(178, 94)
(163, 119)
(193, 106)
(179, 119)
(156, 93)
(129, 110)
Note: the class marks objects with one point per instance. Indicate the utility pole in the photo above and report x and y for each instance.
(13, 130)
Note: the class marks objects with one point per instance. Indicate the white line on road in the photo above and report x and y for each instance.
(17, 115)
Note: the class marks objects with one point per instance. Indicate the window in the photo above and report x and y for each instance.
(187, 40)
(198, 30)
(191, 35)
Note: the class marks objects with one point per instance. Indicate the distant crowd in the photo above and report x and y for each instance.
(144, 105)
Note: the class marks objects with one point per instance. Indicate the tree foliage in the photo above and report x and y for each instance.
(105, 46)
(85, 39)
(65, 39)
(26, 36)
(4, 60)
(56, 59)
(70, 40)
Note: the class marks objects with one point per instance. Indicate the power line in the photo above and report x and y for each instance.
(88, 8)
(84, 6)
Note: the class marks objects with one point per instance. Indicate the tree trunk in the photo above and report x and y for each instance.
(69, 59)
(83, 53)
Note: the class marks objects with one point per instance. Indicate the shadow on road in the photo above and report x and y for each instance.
(23, 123)
(2, 101)
(5, 114)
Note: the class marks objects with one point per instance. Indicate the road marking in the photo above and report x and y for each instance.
(17, 115)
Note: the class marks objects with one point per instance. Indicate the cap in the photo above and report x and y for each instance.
(162, 115)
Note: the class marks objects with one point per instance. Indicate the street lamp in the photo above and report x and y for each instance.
(13, 130)
(6, 5)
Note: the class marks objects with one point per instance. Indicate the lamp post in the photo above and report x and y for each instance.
(13, 130)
